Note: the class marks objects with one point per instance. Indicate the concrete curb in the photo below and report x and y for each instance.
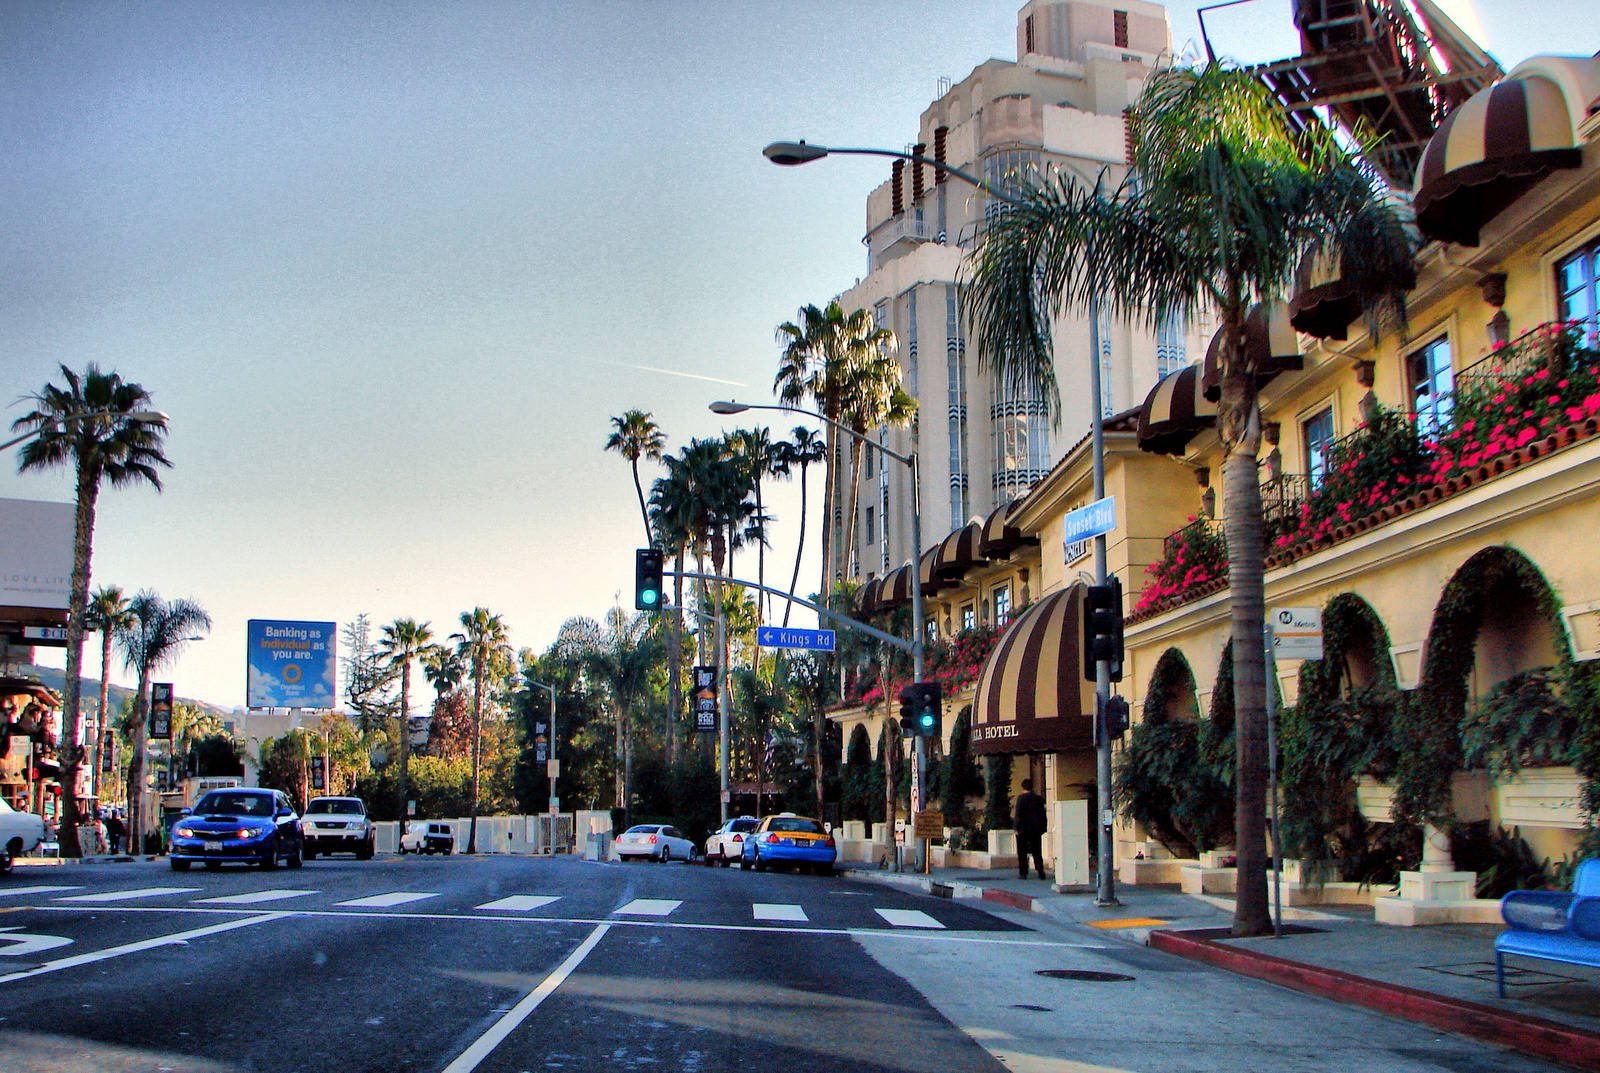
(55, 862)
(1535, 1036)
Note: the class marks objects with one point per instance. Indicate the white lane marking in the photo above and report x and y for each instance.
(138, 947)
(779, 911)
(519, 903)
(254, 897)
(470, 1058)
(649, 907)
(28, 943)
(128, 895)
(6, 892)
(381, 901)
(908, 918)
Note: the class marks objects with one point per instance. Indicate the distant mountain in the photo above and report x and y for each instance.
(89, 688)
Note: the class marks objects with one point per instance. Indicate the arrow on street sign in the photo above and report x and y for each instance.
(786, 637)
(24, 943)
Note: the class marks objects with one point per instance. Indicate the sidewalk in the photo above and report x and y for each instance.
(1441, 976)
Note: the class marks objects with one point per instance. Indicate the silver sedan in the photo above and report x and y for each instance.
(655, 842)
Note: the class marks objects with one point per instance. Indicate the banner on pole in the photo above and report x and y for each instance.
(704, 698)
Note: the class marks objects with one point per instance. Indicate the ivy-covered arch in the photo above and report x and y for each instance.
(1171, 692)
(1496, 581)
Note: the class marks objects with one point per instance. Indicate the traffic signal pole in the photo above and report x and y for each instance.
(1105, 887)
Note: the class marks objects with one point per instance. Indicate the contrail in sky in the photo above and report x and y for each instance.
(671, 372)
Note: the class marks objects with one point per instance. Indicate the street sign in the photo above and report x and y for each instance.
(929, 824)
(786, 637)
(1296, 632)
(704, 700)
(553, 768)
(44, 633)
(1090, 521)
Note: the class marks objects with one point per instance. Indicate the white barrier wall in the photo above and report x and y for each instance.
(529, 835)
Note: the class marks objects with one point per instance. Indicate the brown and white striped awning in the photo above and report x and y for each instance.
(1175, 412)
(1032, 696)
(1325, 301)
(867, 598)
(958, 552)
(895, 590)
(1271, 346)
(998, 536)
(1499, 143)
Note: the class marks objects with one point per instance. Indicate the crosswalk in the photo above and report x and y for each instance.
(636, 908)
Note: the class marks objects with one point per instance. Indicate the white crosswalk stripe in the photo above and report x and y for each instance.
(255, 896)
(520, 903)
(908, 918)
(129, 895)
(779, 911)
(11, 892)
(648, 907)
(385, 901)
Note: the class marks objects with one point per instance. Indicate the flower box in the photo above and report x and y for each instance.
(1541, 797)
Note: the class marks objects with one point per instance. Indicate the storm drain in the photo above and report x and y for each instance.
(1084, 975)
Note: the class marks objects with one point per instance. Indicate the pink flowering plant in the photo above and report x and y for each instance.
(1547, 381)
(1381, 462)
(1193, 556)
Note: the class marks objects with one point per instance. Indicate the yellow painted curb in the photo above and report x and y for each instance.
(1126, 922)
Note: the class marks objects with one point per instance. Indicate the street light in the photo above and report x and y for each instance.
(133, 415)
(554, 765)
(790, 154)
(910, 460)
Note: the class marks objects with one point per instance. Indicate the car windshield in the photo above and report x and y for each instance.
(645, 830)
(796, 824)
(334, 805)
(235, 804)
(742, 825)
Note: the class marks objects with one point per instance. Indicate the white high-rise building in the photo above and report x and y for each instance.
(1080, 64)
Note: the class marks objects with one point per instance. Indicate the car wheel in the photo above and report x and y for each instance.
(179, 866)
(269, 860)
(666, 854)
(308, 852)
(726, 863)
(760, 864)
(711, 861)
(368, 848)
(294, 861)
(744, 864)
(694, 854)
(5, 862)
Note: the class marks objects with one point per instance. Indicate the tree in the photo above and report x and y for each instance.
(806, 449)
(759, 457)
(637, 436)
(107, 612)
(484, 646)
(367, 677)
(405, 641)
(872, 398)
(103, 427)
(154, 635)
(1223, 203)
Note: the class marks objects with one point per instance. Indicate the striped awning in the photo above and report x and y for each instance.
(1504, 139)
(1032, 696)
(895, 590)
(931, 581)
(1175, 412)
(999, 536)
(867, 597)
(1271, 346)
(1325, 302)
(958, 552)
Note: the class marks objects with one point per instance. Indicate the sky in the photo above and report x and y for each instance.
(391, 267)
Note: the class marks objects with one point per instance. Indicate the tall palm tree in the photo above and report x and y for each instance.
(805, 450)
(670, 506)
(873, 398)
(760, 458)
(621, 658)
(107, 612)
(402, 642)
(155, 633)
(112, 445)
(1223, 202)
(484, 645)
(636, 435)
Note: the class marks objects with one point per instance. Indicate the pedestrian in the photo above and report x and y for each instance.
(1029, 823)
(101, 839)
(115, 828)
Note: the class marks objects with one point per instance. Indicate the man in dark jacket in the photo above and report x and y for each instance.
(1029, 823)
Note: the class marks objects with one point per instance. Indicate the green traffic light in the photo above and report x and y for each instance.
(649, 596)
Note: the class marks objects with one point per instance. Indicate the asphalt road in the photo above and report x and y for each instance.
(503, 965)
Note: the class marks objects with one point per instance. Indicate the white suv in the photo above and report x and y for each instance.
(337, 825)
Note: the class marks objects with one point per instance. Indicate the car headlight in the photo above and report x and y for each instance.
(183, 832)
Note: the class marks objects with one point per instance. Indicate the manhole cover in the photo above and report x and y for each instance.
(1086, 975)
(1035, 1009)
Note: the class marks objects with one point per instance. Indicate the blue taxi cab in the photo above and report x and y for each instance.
(786, 840)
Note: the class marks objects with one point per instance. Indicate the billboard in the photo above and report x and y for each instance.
(290, 664)
(35, 553)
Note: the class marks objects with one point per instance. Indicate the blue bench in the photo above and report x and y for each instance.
(1552, 926)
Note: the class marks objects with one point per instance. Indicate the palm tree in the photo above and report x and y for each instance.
(484, 645)
(760, 458)
(637, 435)
(621, 658)
(104, 428)
(155, 633)
(670, 504)
(402, 642)
(1223, 202)
(806, 449)
(107, 612)
(873, 398)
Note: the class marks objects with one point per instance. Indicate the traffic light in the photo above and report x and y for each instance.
(647, 564)
(1113, 721)
(921, 706)
(319, 772)
(1102, 628)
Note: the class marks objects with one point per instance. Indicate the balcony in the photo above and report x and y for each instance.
(898, 235)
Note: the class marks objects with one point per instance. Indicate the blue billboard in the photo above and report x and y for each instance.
(290, 664)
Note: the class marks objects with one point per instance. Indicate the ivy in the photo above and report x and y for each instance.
(1522, 722)
(1163, 784)
(961, 779)
(997, 806)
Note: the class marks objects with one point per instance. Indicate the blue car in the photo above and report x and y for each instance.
(786, 840)
(246, 826)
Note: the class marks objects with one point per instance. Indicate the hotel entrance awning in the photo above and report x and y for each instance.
(1032, 696)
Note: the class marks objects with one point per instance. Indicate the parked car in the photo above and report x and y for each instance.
(337, 825)
(656, 842)
(726, 844)
(786, 839)
(242, 825)
(19, 833)
(428, 836)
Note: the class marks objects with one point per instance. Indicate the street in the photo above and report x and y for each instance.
(507, 964)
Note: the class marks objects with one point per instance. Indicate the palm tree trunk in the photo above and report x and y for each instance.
(675, 661)
(77, 607)
(627, 767)
(851, 527)
(644, 512)
(405, 741)
(800, 547)
(829, 468)
(763, 601)
(141, 718)
(477, 749)
(105, 697)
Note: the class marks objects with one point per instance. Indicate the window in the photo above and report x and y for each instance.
(1170, 354)
(1432, 385)
(1002, 605)
(1578, 287)
(871, 527)
(1318, 438)
(1119, 29)
(867, 454)
(969, 616)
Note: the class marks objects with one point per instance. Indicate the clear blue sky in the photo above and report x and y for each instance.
(391, 267)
